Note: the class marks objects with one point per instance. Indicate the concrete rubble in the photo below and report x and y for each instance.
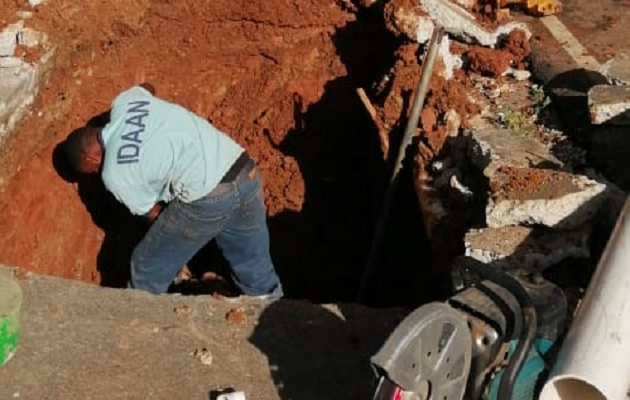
(526, 179)
(418, 23)
(19, 79)
(609, 104)
(491, 147)
(460, 23)
(531, 248)
(550, 198)
(17, 89)
(537, 213)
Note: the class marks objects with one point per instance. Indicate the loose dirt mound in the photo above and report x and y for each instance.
(256, 70)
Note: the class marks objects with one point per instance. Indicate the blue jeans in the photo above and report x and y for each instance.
(234, 214)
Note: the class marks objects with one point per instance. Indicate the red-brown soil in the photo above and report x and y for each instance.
(530, 184)
(273, 75)
(442, 96)
(489, 62)
(518, 45)
(493, 63)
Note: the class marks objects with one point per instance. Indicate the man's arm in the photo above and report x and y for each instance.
(148, 87)
(154, 213)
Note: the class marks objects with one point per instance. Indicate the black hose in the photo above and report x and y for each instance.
(530, 323)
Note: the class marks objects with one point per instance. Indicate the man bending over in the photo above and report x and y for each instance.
(153, 152)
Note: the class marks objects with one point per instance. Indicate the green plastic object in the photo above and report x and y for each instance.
(10, 303)
(529, 379)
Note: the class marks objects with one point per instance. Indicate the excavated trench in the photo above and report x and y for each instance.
(279, 77)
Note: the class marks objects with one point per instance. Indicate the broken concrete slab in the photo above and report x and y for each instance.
(618, 68)
(463, 25)
(609, 104)
(417, 23)
(18, 84)
(526, 247)
(531, 196)
(81, 341)
(490, 148)
(19, 80)
(9, 39)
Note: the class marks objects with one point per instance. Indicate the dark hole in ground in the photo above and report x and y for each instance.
(321, 251)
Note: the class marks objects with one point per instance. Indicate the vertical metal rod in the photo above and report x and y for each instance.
(412, 123)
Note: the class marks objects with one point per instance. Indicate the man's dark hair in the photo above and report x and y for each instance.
(75, 146)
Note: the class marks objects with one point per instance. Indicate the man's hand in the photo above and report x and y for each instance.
(154, 213)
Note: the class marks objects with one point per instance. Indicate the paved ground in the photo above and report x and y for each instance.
(598, 28)
(81, 341)
(567, 50)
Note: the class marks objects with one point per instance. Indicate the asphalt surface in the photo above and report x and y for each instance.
(81, 341)
(567, 51)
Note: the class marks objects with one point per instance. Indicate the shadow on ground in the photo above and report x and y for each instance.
(307, 346)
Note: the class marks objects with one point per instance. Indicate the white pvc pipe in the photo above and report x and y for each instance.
(594, 360)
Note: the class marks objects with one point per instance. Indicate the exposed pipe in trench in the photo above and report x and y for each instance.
(412, 123)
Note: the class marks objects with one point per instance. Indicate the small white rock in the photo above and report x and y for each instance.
(203, 355)
(461, 188)
(518, 74)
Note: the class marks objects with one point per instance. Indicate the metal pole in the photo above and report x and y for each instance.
(412, 123)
